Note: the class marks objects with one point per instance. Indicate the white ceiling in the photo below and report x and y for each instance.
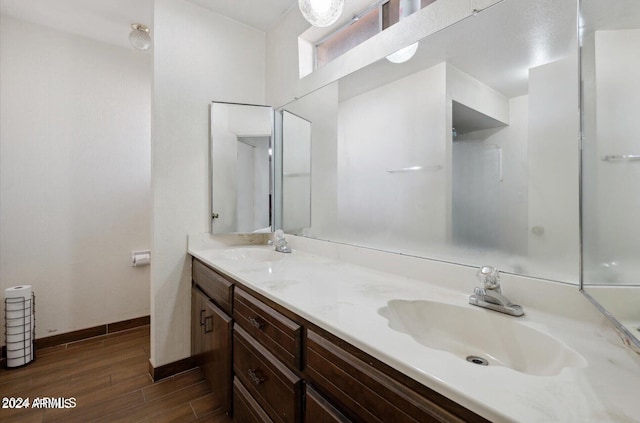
(498, 54)
(110, 20)
(103, 20)
(260, 14)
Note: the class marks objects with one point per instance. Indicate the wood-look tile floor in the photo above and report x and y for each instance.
(108, 377)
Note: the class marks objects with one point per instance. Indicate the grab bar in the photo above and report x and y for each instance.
(296, 174)
(414, 168)
(621, 157)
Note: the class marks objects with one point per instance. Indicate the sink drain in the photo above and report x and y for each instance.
(477, 360)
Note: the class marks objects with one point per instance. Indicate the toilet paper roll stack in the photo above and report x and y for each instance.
(20, 322)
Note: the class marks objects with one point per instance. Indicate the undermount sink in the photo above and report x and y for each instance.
(481, 336)
(251, 254)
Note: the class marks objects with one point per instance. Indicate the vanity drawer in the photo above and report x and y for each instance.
(276, 388)
(216, 286)
(245, 408)
(319, 410)
(279, 334)
(364, 393)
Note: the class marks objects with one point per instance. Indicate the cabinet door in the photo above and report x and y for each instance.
(197, 323)
(216, 345)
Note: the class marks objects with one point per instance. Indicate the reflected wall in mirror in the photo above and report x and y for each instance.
(467, 153)
(241, 168)
(296, 172)
(610, 64)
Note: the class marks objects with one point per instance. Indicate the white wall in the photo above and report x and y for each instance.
(395, 126)
(199, 56)
(553, 157)
(321, 108)
(296, 171)
(244, 187)
(473, 93)
(503, 217)
(74, 175)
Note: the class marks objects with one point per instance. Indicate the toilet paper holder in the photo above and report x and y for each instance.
(140, 258)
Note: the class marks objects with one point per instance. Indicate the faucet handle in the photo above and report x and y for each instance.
(490, 277)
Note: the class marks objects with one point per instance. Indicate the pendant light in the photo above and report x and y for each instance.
(321, 13)
(139, 37)
(407, 7)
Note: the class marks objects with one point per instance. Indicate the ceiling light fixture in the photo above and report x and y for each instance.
(321, 13)
(403, 54)
(406, 8)
(139, 37)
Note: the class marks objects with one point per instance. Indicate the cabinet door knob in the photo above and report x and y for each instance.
(254, 376)
(256, 322)
(208, 324)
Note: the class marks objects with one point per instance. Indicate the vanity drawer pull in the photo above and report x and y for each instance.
(281, 335)
(277, 389)
(256, 322)
(208, 324)
(254, 376)
(202, 317)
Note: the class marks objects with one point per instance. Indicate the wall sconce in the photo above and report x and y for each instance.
(321, 13)
(139, 37)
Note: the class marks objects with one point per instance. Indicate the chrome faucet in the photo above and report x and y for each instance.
(491, 295)
(280, 242)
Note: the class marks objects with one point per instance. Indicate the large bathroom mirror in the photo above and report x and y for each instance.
(296, 172)
(610, 66)
(467, 153)
(241, 168)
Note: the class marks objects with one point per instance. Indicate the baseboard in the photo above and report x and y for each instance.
(167, 370)
(78, 335)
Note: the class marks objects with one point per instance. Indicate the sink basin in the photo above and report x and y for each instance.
(251, 254)
(481, 337)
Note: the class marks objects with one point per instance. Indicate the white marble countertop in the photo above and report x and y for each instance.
(345, 299)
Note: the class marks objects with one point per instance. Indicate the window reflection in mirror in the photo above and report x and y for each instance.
(241, 138)
(467, 153)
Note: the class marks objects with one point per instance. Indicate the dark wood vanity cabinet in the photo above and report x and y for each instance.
(279, 334)
(274, 386)
(319, 410)
(365, 393)
(216, 286)
(287, 369)
(267, 357)
(211, 339)
(245, 408)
